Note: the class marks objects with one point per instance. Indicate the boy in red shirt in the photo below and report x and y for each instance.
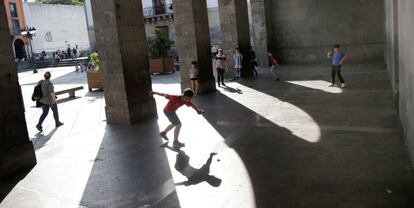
(173, 104)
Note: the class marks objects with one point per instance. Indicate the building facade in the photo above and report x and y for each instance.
(16, 22)
(65, 27)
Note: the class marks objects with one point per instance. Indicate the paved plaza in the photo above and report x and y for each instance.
(292, 143)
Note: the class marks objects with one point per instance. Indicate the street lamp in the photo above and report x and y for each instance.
(30, 32)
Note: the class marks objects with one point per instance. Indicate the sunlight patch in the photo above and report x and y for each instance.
(281, 113)
(318, 85)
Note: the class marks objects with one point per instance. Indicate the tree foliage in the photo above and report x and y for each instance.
(160, 44)
(66, 2)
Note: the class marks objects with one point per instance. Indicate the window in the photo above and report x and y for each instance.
(13, 10)
(16, 26)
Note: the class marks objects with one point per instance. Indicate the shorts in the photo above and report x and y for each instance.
(193, 79)
(172, 117)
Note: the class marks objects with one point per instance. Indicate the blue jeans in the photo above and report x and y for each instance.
(45, 109)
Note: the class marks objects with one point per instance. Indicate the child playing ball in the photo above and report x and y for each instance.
(170, 109)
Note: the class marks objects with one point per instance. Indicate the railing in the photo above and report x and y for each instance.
(158, 10)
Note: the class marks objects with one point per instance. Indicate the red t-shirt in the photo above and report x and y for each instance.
(175, 102)
(272, 60)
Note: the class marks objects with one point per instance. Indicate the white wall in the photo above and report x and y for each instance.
(67, 25)
(148, 3)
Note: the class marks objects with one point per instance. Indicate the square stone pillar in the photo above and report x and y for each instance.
(259, 29)
(235, 31)
(193, 42)
(123, 53)
(16, 150)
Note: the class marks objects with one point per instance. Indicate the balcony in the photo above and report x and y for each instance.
(156, 13)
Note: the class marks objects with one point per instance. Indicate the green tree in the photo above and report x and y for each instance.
(67, 2)
(160, 44)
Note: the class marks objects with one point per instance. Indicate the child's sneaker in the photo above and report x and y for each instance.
(332, 85)
(178, 144)
(343, 85)
(164, 135)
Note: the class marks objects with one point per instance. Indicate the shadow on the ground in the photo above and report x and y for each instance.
(232, 90)
(343, 169)
(40, 139)
(194, 175)
(7, 185)
(131, 171)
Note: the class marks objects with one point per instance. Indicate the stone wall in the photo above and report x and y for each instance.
(406, 70)
(303, 30)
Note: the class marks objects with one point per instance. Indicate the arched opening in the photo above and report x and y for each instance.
(19, 49)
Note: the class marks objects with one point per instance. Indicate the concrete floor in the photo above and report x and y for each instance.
(293, 143)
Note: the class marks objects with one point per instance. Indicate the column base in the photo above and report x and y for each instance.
(17, 160)
(131, 114)
(206, 86)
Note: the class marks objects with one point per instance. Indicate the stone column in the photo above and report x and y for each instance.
(258, 13)
(235, 31)
(193, 42)
(16, 150)
(123, 52)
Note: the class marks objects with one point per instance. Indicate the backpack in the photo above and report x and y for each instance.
(37, 92)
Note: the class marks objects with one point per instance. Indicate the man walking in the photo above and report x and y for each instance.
(338, 57)
(220, 64)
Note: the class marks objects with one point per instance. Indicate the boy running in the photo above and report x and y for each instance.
(338, 57)
(170, 109)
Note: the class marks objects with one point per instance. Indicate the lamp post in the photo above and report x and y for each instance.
(30, 32)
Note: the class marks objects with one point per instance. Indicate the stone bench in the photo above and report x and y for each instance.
(71, 91)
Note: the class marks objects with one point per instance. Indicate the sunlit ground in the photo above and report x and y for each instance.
(201, 139)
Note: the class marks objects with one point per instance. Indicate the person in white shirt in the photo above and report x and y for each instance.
(237, 59)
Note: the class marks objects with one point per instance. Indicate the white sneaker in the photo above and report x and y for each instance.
(332, 85)
(343, 85)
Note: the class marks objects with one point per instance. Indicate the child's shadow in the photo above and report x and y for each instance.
(232, 90)
(194, 176)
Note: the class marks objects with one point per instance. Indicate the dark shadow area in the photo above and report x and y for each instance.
(345, 168)
(7, 185)
(131, 170)
(232, 90)
(194, 175)
(40, 139)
